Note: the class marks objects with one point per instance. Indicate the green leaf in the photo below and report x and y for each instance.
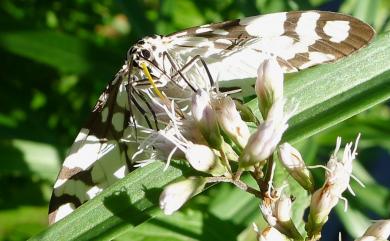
(373, 126)
(177, 227)
(25, 157)
(63, 52)
(327, 94)
(129, 202)
(58, 50)
(186, 225)
(31, 218)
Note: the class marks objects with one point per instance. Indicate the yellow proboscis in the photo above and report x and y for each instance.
(150, 79)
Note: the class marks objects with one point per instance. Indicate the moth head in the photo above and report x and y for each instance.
(148, 50)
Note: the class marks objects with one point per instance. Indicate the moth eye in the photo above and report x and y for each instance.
(145, 53)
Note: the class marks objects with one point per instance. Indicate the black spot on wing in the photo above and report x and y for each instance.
(359, 35)
(57, 201)
(229, 30)
(76, 174)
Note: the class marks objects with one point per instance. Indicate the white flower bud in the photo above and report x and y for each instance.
(276, 210)
(203, 158)
(322, 202)
(277, 213)
(230, 120)
(294, 164)
(283, 209)
(263, 142)
(271, 234)
(369, 238)
(176, 194)
(379, 230)
(269, 84)
(206, 119)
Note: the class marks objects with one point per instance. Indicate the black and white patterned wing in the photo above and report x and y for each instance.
(98, 157)
(299, 39)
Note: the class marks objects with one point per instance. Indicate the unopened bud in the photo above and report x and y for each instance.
(271, 234)
(370, 238)
(230, 120)
(206, 119)
(263, 142)
(277, 213)
(294, 164)
(204, 159)
(322, 202)
(380, 230)
(283, 209)
(176, 194)
(269, 84)
(260, 146)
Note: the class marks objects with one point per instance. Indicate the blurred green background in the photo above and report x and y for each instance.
(57, 56)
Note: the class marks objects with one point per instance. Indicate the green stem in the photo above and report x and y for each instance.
(240, 184)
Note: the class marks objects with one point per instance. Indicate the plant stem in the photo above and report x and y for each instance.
(225, 161)
(240, 184)
(267, 181)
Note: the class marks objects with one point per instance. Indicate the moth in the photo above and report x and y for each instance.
(228, 53)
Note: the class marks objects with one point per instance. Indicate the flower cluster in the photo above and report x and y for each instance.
(214, 138)
(223, 138)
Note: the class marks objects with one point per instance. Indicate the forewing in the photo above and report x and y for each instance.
(98, 157)
(299, 39)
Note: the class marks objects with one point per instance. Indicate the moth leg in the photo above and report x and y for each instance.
(191, 63)
(133, 100)
(179, 72)
(149, 108)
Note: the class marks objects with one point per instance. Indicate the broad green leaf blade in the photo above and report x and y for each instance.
(129, 202)
(13, 151)
(58, 50)
(327, 95)
(63, 52)
(186, 225)
(373, 125)
(31, 218)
